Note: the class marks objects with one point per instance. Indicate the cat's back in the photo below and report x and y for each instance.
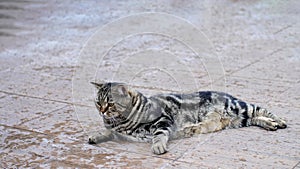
(199, 97)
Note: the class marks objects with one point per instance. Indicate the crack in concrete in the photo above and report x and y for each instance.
(283, 29)
(52, 111)
(256, 61)
(297, 165)
(41, 98)
(23, 129)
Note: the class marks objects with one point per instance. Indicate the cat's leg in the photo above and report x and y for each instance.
(267, 120)
(161, 135)
(100, 137)
(212, 123)
(159, 142)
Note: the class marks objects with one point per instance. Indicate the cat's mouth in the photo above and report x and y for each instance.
(110, 115)
(101, 109)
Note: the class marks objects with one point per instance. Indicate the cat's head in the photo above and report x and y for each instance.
(113, 101)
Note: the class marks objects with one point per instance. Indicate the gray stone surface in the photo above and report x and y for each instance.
(45, 121)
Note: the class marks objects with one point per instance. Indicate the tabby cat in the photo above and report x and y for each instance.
(129, 115)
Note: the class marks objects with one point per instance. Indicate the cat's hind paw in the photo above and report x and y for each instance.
(281, 123)
(270, 124)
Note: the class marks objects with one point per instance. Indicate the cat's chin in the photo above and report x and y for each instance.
(108, 123)
(108, 126)
(109, 120)
(113, 121)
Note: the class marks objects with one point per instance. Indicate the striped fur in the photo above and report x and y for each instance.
(129, 115)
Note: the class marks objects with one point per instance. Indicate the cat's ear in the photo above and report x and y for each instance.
(97, 85)
(123, 90)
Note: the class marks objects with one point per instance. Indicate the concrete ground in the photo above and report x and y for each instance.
(43, 123)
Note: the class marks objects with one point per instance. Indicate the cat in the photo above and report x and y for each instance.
(129, 115)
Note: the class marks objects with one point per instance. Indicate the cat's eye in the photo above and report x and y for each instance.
(111, 104)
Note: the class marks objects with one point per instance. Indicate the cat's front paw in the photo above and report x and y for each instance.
(92, 139)
(159, 146)
(98, 138)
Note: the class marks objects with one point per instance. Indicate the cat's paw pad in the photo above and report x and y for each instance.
(159, 148)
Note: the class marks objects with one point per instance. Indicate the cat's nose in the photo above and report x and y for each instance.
(102, 109)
